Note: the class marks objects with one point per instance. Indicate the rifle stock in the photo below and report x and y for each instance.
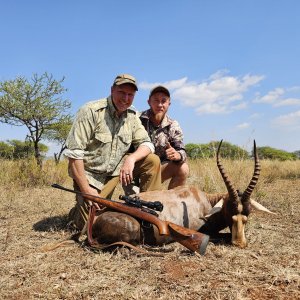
(191, 239)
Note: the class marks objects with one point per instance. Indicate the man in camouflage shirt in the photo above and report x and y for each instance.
(166, 136)
(98, 143)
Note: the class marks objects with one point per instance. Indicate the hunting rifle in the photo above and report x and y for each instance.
(191, 239)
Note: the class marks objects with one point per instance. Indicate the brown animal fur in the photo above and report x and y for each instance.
(111, 227)
(189, 207)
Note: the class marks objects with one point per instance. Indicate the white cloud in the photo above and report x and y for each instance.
(270, 97)
(239, 106)
(210, 108)
(256, 116)
(173, 84)
(218, 94)
(291, 120)
(287, 102)
(243, 125)
(294, 89)
(278, 97)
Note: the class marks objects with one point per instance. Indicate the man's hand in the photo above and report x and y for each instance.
(172, 154)
(77, 169)
(91, 191)
(126, 172)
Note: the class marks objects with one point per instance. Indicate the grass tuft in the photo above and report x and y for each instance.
(26, 173)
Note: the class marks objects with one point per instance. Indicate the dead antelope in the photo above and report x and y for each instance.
(189, 207)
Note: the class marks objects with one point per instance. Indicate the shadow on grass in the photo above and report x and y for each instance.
(220, 238)
(56, 223)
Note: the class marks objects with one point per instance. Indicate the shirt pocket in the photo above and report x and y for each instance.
(100, 144)
(103, 137)
(124, 143)
(125, 139)
(97, 156)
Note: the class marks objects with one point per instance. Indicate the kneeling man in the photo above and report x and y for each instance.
(167, 137)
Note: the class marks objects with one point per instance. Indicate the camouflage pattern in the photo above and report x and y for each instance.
(168, 131)
(102, 139)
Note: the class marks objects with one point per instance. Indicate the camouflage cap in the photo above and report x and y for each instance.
(158, 89)
(125, 78)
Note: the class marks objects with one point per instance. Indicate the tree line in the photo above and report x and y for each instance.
(196, 151)
(16, 149)
(39, 105)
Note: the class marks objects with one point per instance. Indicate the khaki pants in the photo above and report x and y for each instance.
(147, 169)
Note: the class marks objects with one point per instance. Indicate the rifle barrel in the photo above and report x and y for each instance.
(191, 239)
(121, 207)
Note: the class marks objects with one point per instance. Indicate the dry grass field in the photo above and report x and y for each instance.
(33, 216)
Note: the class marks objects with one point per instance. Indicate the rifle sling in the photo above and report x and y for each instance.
(148, 233)
(90, 222)
(95, 245)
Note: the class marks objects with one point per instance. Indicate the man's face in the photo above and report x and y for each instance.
(159, 103)
(122, 96)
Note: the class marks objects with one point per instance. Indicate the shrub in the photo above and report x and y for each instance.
(18, 149)
(275, 154)
(6, 150)
(209, 150)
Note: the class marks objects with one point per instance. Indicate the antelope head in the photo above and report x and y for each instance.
(236, 207)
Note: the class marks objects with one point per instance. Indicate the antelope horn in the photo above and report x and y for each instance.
(253, 182)
(215, 208)
(260, 207)
(231, 190)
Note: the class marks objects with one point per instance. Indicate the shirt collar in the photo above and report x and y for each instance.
(166, 121)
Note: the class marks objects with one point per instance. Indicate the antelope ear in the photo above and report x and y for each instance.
(220, 203)
(216, 208)
(260, 207)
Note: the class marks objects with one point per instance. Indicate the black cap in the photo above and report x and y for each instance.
(161, 89)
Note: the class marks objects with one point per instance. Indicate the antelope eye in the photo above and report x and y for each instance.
(244, 219)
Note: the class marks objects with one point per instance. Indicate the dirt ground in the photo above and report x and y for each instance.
(33, 219)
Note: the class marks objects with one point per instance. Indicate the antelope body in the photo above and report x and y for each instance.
(189, 207)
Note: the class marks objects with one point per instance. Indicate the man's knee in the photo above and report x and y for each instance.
(78, 217)
(173, 169)
(149, 172)
(184, 170)
(152, 161)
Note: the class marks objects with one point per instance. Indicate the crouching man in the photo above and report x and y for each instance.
(98, 144)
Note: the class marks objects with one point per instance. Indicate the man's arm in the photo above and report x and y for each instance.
(77, 170)
(173, 154)
(141, 141)
(175, 151)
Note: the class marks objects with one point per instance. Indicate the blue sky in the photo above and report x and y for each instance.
(232, 67)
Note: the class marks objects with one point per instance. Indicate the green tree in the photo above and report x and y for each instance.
(6, 150)
(58, 133)
(229, 150)
(192, 150)
(272, 153)
(297, 153)
(17, 149)
(36, 104)
(209, 150)
(26, 149)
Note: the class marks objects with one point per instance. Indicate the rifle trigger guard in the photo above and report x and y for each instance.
(146, 224)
